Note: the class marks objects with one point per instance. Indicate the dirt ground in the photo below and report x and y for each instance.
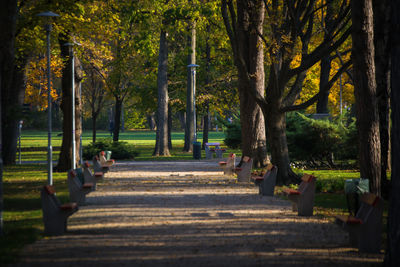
(190, 214)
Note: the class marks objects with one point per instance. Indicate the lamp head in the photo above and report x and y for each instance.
(48, 14)
(193, 66)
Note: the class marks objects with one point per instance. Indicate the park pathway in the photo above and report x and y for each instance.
(189, 214)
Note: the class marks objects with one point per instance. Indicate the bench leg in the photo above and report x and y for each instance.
(294, 199)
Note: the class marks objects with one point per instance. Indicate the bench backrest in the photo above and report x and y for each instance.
(307, 183)
(246, 159)
(96, 163)
(270, 167)
(74, 178)
(50, 202)
(371, 208)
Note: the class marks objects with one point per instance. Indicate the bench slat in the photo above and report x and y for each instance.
(69, 206)
(290, 191)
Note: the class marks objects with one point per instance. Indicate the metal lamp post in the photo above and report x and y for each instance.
(193, 72)
(48, 15)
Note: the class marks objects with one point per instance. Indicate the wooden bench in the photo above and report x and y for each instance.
(77, 187)
(365, 228)
(302, 199)
(106, 161)
(229, 165)
(266, 183)
(55, 214)
(244, 171)
(98, 167)
(210, 148)
(91, 177)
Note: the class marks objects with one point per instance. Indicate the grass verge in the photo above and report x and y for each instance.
(22, 213)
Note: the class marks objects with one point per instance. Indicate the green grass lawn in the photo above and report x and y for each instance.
(22, 207)
(22, 183)
(144, 142)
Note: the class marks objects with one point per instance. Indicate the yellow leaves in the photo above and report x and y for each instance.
(36, 92)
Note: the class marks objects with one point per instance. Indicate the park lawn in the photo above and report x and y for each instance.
(34, 144)
(22, 213)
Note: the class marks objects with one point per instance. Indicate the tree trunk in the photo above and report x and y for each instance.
(206, 129)
(182, 119)
(169, 127)
(161, 148)
(382, 73)
(8, 18)
(65, 158)
(151, 122)
(276, 129)
(322, 104)
(250, 48)
(392, 258)
(365, 93)
(117, 118)
(189, 129)
(14, 98)
(94, 125)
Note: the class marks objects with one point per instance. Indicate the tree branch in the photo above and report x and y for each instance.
(314, 99)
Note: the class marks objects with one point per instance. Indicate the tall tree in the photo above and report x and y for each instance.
(93, 93)
(12, 79)
(382, 35)
(392, 258)
(244, 29)
(8, 18)
(162, 148)
(289, 32)
(365, 92)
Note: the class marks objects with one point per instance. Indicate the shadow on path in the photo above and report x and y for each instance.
(136, 218)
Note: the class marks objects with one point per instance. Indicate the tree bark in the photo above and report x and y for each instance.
(392, 258)
(14, 99)
(365, 93)
(8, 19)
(189, 127)
(322, 104)
(381, 11)
(249, 59)
(162, 148)
(117, 118)
(65, 158)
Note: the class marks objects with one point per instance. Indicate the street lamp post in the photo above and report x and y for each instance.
(71, 54)
(48, 15)
(193, 72)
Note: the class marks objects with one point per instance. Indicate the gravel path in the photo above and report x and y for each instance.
(189, 214)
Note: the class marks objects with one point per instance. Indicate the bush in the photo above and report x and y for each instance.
(233, 135)
(317, 141)
(120, 150)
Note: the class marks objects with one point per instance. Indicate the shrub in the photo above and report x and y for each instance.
(233, 135)
(318, 140)
(120, 150)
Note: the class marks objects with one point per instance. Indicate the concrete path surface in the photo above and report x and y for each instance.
(190, 214)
